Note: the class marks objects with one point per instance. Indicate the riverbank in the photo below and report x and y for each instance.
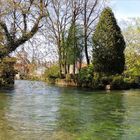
(88, 78)
(102, 84)
(118, 82)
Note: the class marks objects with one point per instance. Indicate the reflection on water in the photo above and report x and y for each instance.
(36, 111)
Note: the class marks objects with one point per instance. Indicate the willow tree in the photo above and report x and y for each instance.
(19, 21)
(108, 45)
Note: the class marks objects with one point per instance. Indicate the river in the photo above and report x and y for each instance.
(36, 111)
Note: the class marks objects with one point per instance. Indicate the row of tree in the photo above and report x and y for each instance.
(69, 25)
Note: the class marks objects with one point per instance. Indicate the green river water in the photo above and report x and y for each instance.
(36, 111)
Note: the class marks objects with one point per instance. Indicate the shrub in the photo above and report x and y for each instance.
(68, 77)
(97, 84)
(52, 73)
(132, 82)
(118, 82)
(7, 72)
(115, 81)
(85, 76)
(100, 81)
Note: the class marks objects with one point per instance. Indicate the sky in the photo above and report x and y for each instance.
(124, 9)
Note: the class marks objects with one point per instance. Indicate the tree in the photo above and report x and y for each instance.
(74, 46)
(131, 32)
(19, 20)
(63, 13)
(58, 22)
(90, 13)
(108, 45)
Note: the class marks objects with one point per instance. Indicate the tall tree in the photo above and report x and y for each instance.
(73, 34)
(90, 13)
(131, 32)
(57, 23)
(63, 12)
(108, 45)
(19, 20)
(74, 46)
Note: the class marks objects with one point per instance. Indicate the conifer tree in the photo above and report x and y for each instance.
(74, 45)
(108, 45)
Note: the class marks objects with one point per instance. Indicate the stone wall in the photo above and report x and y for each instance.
(7, 72)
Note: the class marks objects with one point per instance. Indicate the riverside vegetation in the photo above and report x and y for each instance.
(7, 72)
(107, 69)
(108, 66)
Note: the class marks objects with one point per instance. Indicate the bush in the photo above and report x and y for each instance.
(118, 82)
(100, 81)
(132, 82)
(121, 82)
(7, 72)
(68, 77)
(52, 73)
(115, 81)
(85, 76)
(97, 82)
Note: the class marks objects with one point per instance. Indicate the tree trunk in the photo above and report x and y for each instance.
(86, 51)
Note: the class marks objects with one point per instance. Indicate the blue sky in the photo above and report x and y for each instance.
(124, 9)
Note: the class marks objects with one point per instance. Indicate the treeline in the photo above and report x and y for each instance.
(73, 27)
(70, 26)
(81, 30)
(108, 62)
(111, 66)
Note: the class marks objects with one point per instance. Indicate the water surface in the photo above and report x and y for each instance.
(36, 111)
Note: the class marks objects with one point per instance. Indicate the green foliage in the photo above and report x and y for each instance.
(71, 48)
(132, 64)
(97, 82)
(7, 72)
(122, 82)
(52, 72)
(73, 44)
(100, 81)
(85, 76)
(118, 82)
(132, 52)
(108, 45)
(115, 81)
(132, 82)
(3, 49)
(68, 77)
